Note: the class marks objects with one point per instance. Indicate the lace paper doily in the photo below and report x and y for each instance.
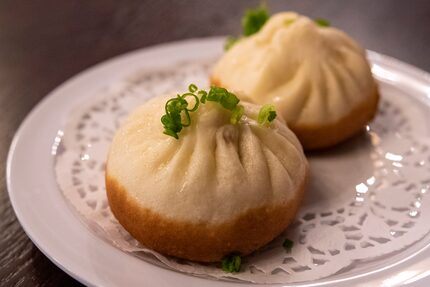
(367, 198)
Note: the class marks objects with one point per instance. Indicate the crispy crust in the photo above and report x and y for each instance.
(313, 137)
(199, 241)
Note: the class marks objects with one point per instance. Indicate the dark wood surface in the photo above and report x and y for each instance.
(43, 43)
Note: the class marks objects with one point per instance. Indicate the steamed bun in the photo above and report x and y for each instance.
(220, 188)
(317, 77)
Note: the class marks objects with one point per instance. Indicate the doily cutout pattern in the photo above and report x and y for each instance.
(367, 198)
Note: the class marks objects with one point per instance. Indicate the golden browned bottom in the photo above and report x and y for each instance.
(314, 137)
(200, 242)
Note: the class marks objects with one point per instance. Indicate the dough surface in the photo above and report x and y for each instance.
(316, 76)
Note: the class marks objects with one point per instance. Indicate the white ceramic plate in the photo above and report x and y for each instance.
(57, 231)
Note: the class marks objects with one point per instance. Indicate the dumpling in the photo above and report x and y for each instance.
(220, 188)
(317, 77)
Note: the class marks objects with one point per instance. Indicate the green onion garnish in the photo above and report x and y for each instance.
(225, 98)
(177, 114)
(231, 263)
(252, 21)
(177, 109)
(266, 115)
(322, 22)
(237, 114)
(288, 22)
(230, 42)
(288, 244)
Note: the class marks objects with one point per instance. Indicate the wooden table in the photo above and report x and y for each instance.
(43, 43)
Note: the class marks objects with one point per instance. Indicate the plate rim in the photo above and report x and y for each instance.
(56, 93)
